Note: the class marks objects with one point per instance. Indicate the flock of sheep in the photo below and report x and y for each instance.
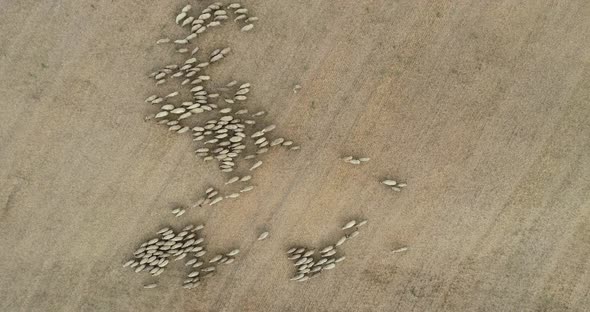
(226, 132)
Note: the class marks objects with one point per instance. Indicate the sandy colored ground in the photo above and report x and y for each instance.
(482, 106)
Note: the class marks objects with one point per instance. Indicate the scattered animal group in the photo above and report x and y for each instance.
(310, 264)
(154, 255)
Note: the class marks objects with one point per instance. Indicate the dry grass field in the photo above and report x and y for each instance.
(483, 107)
